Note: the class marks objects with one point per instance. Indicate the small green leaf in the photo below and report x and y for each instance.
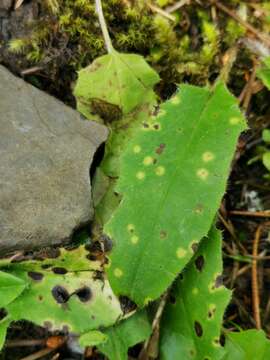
(173, 175)
(192, 321)
(264, 72)
(266, 160)
(65, 293)
(266, 135)
(10, 288)
(127, 333)
(3, 331)
(114, 83)
(247, 345)
(92, 338)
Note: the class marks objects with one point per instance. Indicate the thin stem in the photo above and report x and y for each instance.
(103, 26)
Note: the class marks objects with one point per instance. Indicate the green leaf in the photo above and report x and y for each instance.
(115, 83)
(264, 72)
(10, 288)
(92, 338)
(3, 331)
(191, 322)
(65, 293)
(266, 135)
(247, 345)
(173, 175)
(124, 335)
(266, 160)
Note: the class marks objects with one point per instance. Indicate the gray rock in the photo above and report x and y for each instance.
(46, 151)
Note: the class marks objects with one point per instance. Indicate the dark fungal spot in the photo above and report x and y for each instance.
(46, 266)
(36, 276)
(59, 270)
(126, 304)
(60, 294)
(198, 329)
(163, 234)
(92, 257)
(156, 126)
(84, 294)
(160, 149)
(40, 297)
(194, 247)
(3, 313)
(98, 275)
(94, 247)
(155, 111)
(93, 317)
(199, 263)
(107, 242)
(145, 125)
(218, 281)
(216, 341)
(211, 313)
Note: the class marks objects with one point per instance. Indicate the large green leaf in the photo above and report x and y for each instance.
(173, 175)
(192, 321)
(247, 345)
(68, 292)
(124, 335)
(114, 83)
(10, 288)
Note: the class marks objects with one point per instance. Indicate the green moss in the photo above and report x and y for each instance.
(67, 35)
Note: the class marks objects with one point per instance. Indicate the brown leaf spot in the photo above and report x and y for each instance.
(60, 294)
(84, 294)
(59, 270)
(163, 234)
(199, 263)
(160, 149)
(36, 276)
(198, 329)
(194, 247)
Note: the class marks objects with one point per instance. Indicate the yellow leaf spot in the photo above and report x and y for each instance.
(140, 175)
(195, 291)
(235, 120)
(175, 100)
(208, 156)
(180, 253)
(130, 227)
(137, 149)
(161, 112)
(148, 160)
(160, 170)
(118, 272)
(202, 174)
(134, 239)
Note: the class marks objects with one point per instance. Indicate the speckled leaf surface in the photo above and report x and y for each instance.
(64, 293)
(264, 72)
(173, 175)
(127, 333)
(192, 319)
(116, 81)
(247, 345)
